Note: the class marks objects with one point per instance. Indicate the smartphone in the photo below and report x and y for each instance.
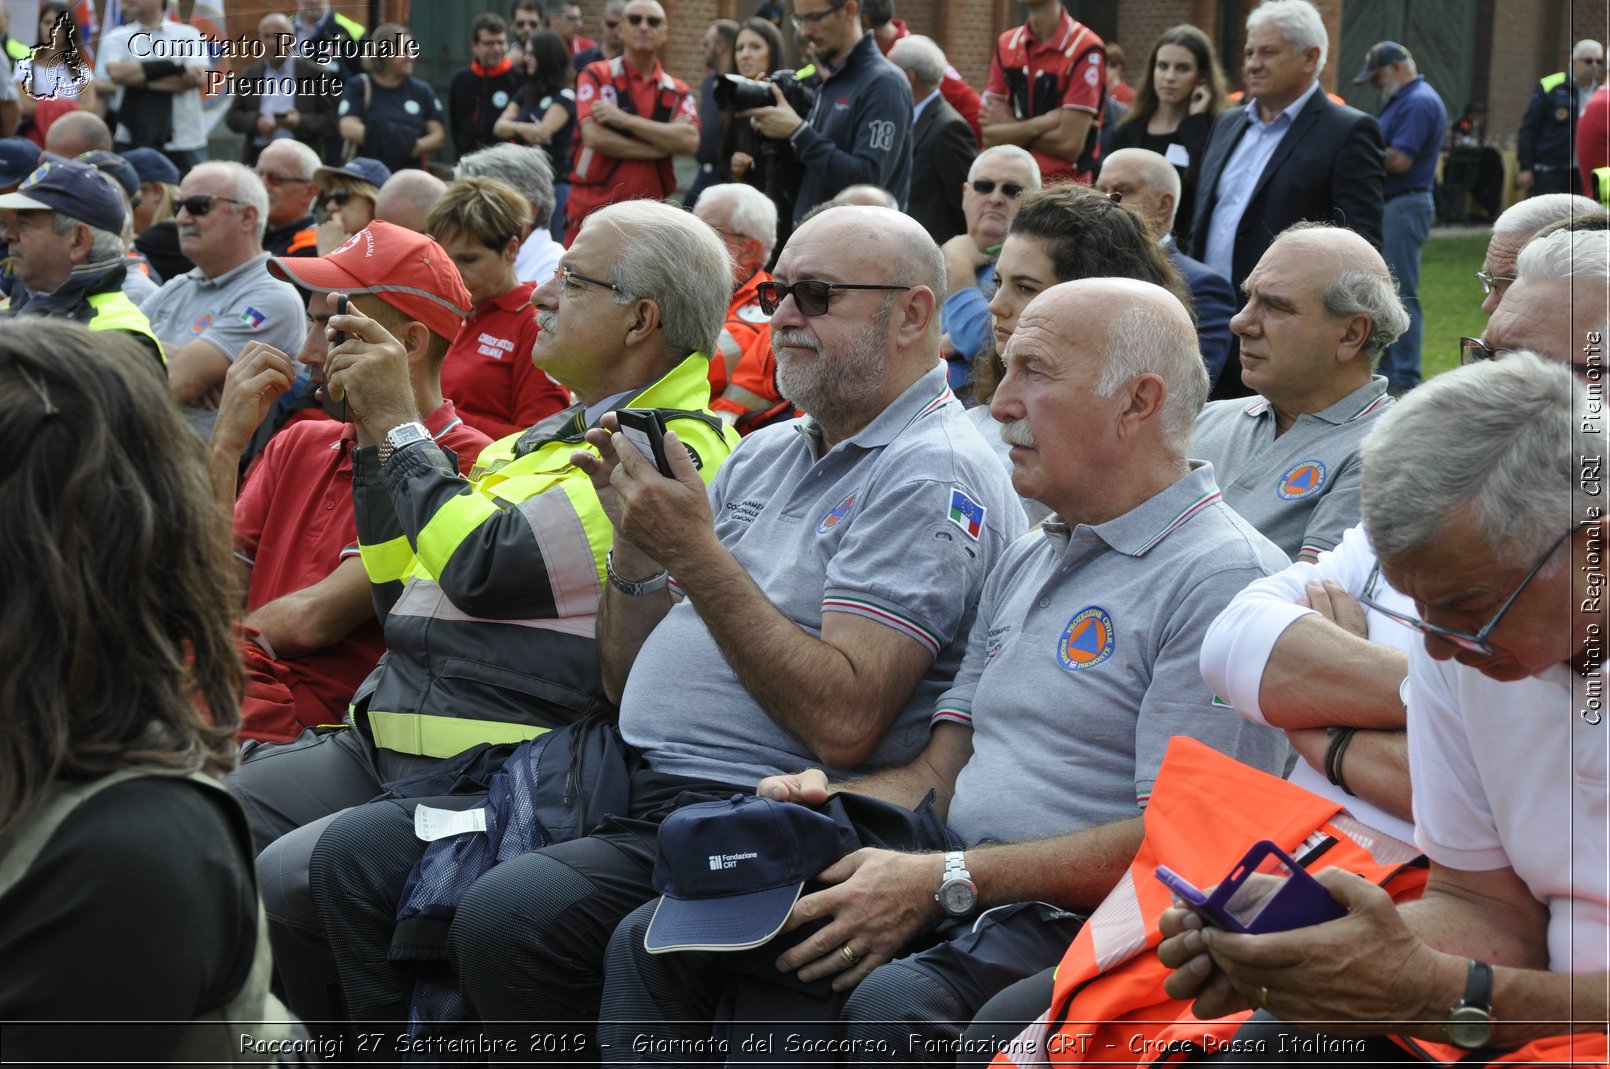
(338, 409)
(644, 429)
(1266, 892)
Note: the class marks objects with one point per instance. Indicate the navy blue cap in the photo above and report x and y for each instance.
(1381, 55)
(730, 872)
(18, 158)
(361, 168)
(152, 166)
(75, 189)
(110, 163)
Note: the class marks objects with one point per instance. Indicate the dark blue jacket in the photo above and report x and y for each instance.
(1548, 129)
(1215, 304)
(859, 130)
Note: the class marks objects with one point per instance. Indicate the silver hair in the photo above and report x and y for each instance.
(249, 189)
(1527, 217)
(922, 57)
(103, 244)
(1013, 152)
(1580, 257)
(846, 198)
(1147, 340)
(1356, 292)
(1497, 445)
(669, 257)
(307, 160)
(1298, 22)
(1159, 175)
(525, 167)
(1585, 45)
(754, 215)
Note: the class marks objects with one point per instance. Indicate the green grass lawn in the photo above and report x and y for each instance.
(1450, 295)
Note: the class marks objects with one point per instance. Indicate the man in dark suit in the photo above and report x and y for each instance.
(942, 145)
(1287, 155)
(1149, 183)
(286, 96)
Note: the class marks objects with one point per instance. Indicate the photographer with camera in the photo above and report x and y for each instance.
(745, 155)
(864, 134)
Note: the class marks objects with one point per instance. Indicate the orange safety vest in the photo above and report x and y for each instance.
(1205, 811)
(307, 238)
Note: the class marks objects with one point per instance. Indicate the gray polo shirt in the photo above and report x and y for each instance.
(1083, 663)
(899, 524)
(1301, 489)
(241, 305)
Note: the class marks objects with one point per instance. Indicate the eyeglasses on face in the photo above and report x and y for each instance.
(612, 24)
(654, 21)
(802, 21)
(985, 186)
(1474, 351)
(810, 296)
(339, 197)
(564, 276)
(1489, 283)
(275, 179)
(199, 204)
(1471, 643)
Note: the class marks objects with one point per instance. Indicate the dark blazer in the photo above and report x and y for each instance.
(316, 110)
(942, 149)
(1330, 168)
(1215, 303)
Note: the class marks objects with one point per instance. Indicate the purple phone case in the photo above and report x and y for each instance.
(1300, 902)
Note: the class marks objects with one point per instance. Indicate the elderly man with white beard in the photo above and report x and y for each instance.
(1082, 661)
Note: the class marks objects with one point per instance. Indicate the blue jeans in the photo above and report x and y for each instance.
(1406, 224)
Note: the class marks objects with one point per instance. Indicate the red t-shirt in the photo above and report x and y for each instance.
(488, 372)
(1079, 88)
(1593, 141)
(598, 179)
(744, 321)
(294, 524)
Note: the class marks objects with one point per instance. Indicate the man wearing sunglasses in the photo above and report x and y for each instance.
(859, 130)
(1495, 540)
(610, 22)
(1321, 307)
(286, 168)
(995, 181)
(1545, 148)
(208, 314)
(632, 117)
(823, 589)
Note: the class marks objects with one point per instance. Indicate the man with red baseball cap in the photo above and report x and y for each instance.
(309, 614)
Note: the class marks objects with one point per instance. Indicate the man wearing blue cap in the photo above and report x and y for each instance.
(64, 229)
(18, 158)
(1412, 124)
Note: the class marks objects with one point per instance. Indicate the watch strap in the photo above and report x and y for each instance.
(401, 437)
(1479, 986)
(633, 588)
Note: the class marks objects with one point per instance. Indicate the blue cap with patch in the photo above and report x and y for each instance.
(18, 158)
(729, 872)
(361, 168)
(77, 190)
(1381, 55)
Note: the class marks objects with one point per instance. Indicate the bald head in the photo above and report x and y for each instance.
(867, 196)
(1354, 277)
(76, 133)
(1144, 180)
(887, 246)
(407, 197)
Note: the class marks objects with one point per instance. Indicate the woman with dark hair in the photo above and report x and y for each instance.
(769, 166)
(1181, 93)
(545, 114)
(386, 113)
(126, 883)
(1061, 233)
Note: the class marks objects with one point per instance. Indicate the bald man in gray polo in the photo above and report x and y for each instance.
(1321, 307)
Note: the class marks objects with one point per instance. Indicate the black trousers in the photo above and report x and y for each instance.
(527, 942)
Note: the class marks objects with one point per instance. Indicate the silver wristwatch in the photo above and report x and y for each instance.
(402, 436)
(635, 589)
(958, 894)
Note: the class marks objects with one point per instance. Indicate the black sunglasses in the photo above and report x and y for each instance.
(199, 204)
(810, 296)
(985, 186)
(340, 196)
(654, 21)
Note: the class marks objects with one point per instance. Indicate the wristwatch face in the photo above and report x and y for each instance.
(1469, 1027)
(957, 897)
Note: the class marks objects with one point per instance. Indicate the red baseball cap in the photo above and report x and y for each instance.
(407, 270)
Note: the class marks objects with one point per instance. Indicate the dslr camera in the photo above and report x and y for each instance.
(737, 93)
